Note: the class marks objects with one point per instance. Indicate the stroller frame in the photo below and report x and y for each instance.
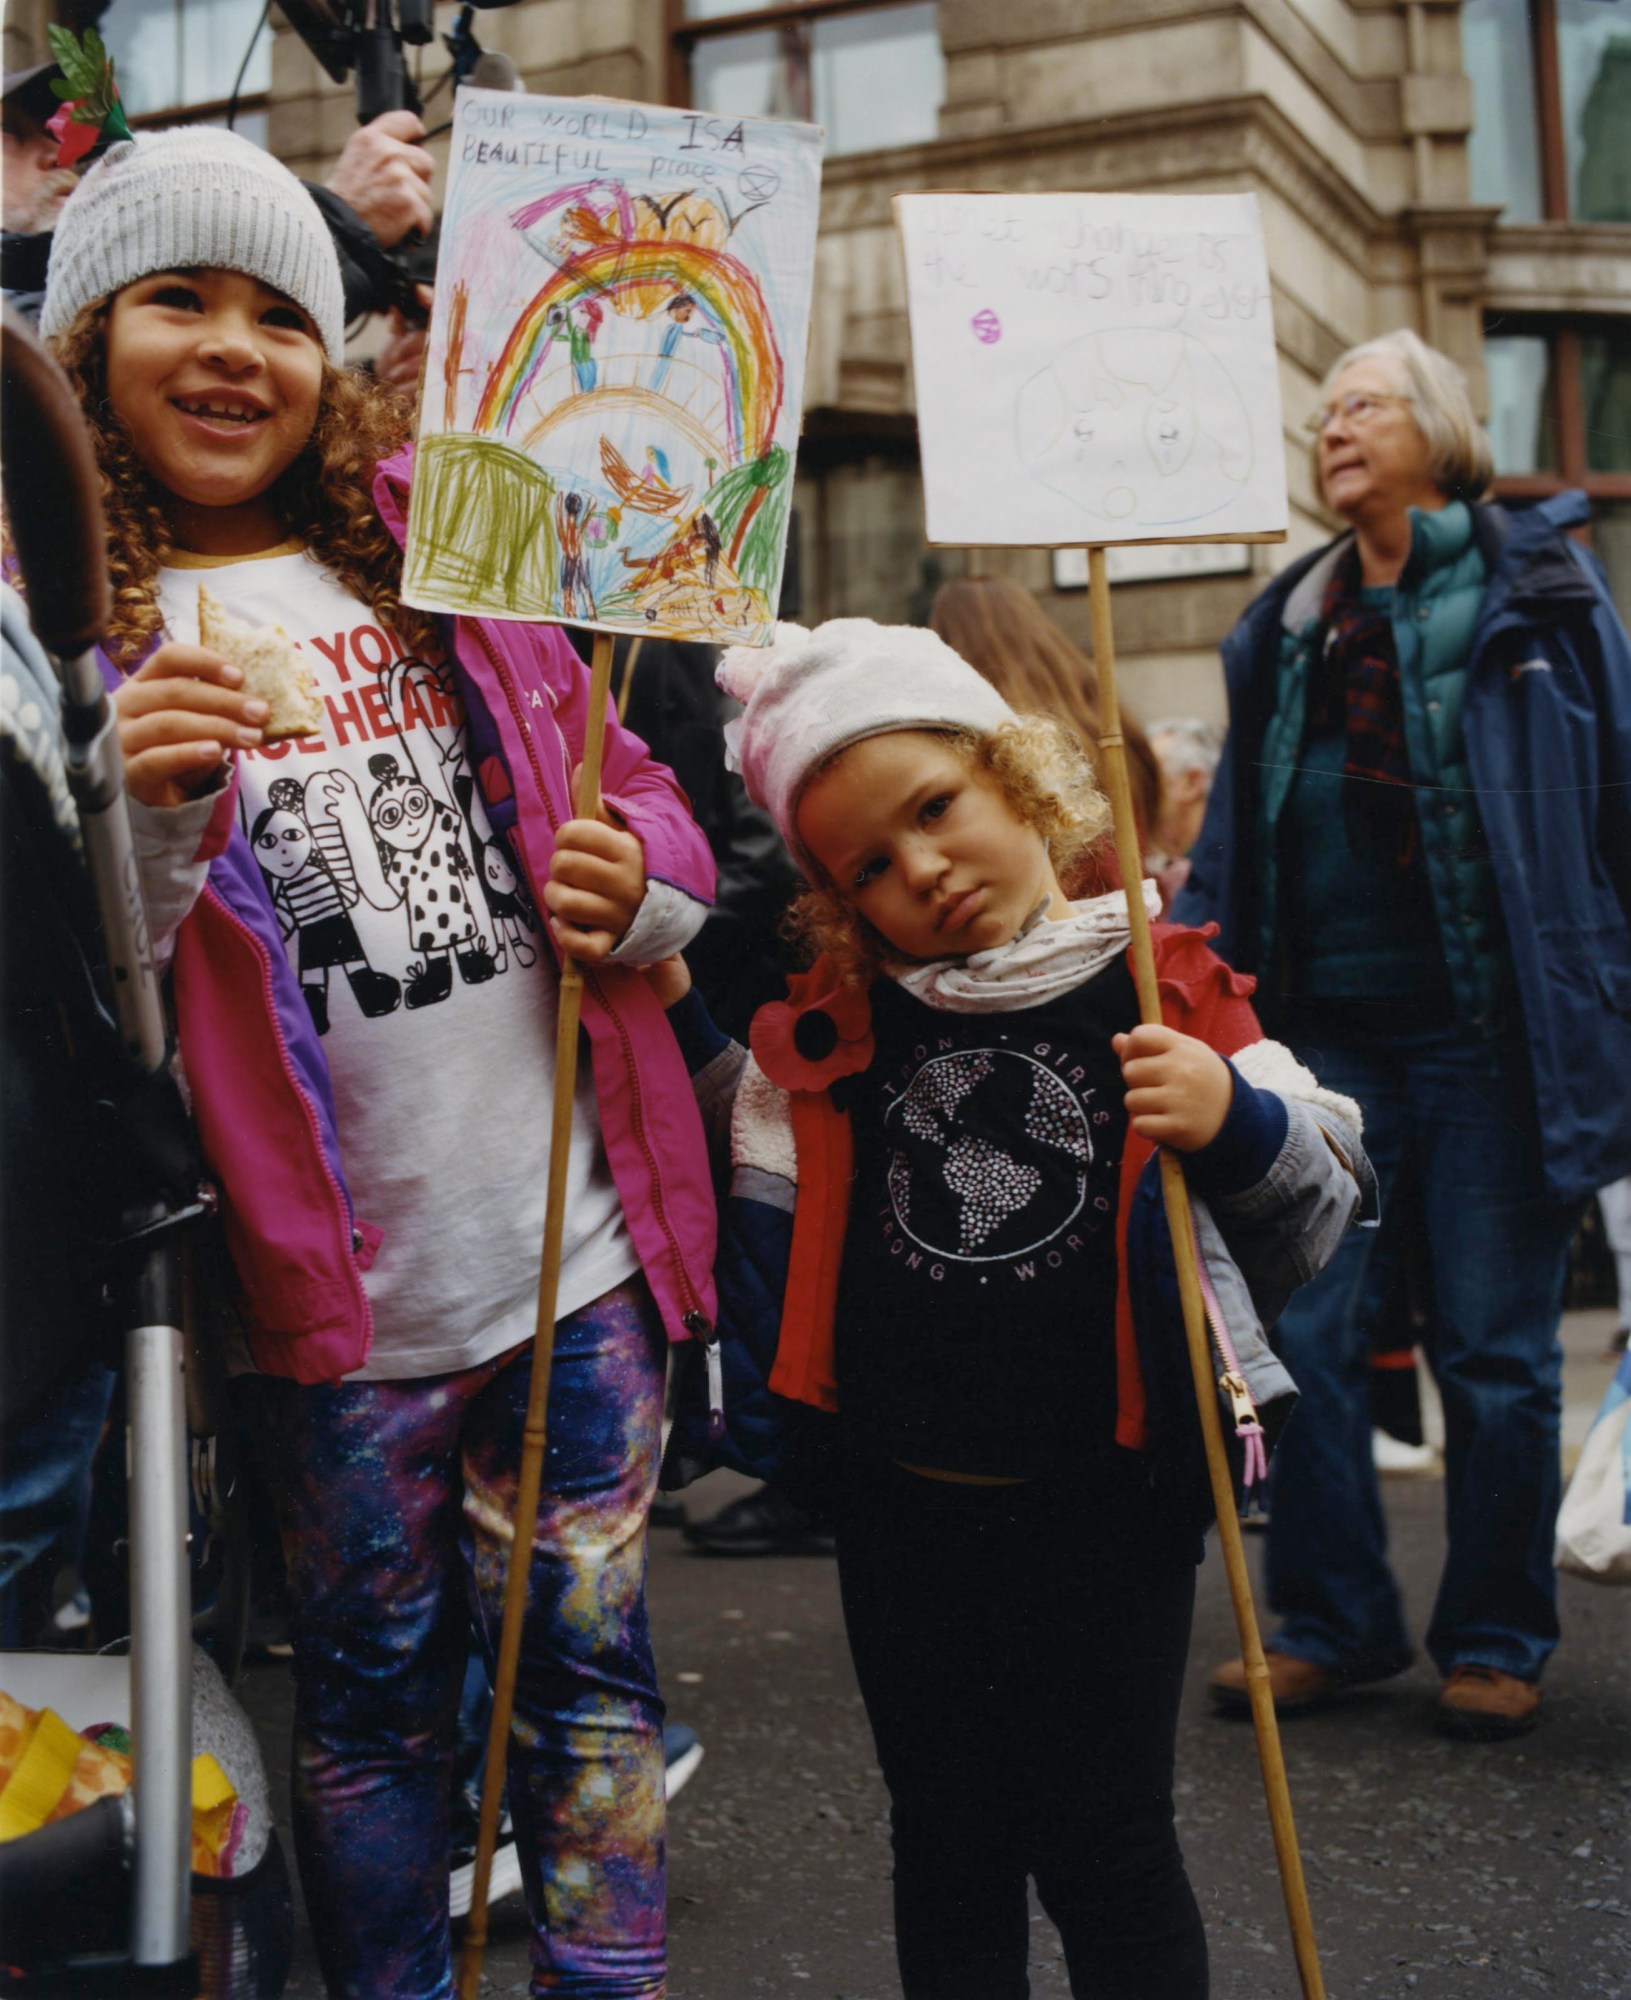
(56, 517)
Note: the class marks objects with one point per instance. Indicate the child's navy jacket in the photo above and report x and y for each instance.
(787, 1200)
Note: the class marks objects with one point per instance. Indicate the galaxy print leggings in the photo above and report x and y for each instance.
(393, 1499)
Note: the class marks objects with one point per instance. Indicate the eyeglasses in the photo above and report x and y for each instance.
(1357, 409)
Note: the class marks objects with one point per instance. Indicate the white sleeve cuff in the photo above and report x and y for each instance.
(665, 923)
(167, 840)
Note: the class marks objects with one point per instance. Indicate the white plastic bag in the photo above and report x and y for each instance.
(1594, 1525)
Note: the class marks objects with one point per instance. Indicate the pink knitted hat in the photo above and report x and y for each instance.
(811, 694)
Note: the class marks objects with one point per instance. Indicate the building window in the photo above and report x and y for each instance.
(871, 75)
(1551, 86)
(1560, 415)
(180, 59)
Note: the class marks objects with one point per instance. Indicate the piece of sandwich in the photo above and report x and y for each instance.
(272, 665)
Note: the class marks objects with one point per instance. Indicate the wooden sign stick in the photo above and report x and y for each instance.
(1176, 1194)
(543, 1354)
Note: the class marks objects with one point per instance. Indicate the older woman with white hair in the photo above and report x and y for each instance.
(1419, 839)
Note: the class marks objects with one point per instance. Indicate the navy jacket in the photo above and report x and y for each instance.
(1547, 718)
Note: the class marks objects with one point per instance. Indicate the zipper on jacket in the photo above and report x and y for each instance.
(688, 1291)
(1232, 1383)
(696, 1324)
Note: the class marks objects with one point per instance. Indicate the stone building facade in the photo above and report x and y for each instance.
(1379, 137)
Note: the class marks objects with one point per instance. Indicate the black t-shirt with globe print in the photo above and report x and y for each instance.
(976, 1313)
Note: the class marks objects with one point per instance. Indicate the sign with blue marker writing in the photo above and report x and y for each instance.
(1093, 368)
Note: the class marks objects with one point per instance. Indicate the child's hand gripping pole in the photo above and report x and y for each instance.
(543, 1353)
(1181, 1228)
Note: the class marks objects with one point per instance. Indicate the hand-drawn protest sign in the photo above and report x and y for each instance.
(1093, 368)
(615, 368)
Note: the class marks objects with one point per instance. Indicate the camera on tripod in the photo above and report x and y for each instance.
(367, 36)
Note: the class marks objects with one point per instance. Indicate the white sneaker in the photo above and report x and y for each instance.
(1390, 1455)
(504, 1879)
(682, 1753)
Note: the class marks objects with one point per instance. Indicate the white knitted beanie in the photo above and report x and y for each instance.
(193, 198)
(811, 694)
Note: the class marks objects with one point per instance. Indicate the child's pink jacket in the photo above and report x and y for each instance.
(255, 1065)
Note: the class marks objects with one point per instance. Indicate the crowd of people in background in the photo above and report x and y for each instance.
(1410, 843)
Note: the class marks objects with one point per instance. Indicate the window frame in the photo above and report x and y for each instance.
(1544, 42)
(208, 110)
(1562, 337)
(683, 33)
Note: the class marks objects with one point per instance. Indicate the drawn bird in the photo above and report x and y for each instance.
(590, 228)
(646, 495)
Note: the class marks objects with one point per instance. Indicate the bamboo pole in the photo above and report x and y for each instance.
(543, 1353)
(1176, 1194)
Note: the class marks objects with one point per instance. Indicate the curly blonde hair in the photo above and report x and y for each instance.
(997, 625)
(1046, 778)
(325, 498)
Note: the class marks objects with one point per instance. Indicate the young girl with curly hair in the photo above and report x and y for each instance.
(944, 1227)
(372, 1075)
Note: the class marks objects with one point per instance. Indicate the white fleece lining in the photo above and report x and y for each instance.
(1271, 1066)
(762, 1125)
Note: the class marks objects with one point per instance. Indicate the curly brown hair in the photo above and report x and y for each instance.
(325, 498)
(1046, 777)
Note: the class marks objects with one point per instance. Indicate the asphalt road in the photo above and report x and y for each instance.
(1436, 1870)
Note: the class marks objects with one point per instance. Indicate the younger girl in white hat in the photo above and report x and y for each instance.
(943, 1202)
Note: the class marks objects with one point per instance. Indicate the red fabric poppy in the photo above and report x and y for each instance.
(1215, 997)
(820, 1032)
(73, 141)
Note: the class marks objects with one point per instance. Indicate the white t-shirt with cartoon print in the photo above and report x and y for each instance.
(420, 955)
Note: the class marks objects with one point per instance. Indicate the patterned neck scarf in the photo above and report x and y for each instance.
(1354, 687)
(1043, 961)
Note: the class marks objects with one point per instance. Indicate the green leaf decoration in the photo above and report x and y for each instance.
(90, 86)
(78, 65)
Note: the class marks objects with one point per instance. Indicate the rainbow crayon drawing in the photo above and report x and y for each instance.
(614, 379)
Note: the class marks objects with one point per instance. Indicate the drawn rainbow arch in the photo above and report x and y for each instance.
(722, 286)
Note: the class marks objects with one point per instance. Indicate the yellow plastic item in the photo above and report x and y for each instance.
(48, 1771)
(215, 1805)
(42, 1773)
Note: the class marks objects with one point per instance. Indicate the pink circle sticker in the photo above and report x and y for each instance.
(987, 327)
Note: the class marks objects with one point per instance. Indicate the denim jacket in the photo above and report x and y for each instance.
(1547, 725)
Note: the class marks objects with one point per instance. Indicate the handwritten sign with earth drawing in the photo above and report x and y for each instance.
(613, 383)
(1093, 368)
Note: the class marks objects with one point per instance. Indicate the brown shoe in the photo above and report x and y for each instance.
(1480, 1704)
(1295, 1684)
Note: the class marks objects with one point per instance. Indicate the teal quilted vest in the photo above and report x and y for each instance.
(1435, 612)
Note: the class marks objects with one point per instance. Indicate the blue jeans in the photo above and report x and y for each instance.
(1461, 1116)
(45, 1486)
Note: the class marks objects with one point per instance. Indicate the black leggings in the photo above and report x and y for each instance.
(1020, 1650)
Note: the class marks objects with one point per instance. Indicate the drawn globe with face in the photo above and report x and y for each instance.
(961, 1193)
(1137, 426)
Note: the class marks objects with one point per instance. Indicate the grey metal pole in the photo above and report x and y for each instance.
(161, 1645)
